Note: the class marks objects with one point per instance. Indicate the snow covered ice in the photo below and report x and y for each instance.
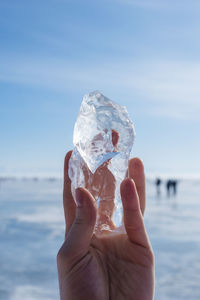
(103, 139)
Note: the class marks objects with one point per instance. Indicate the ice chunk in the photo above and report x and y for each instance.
(103, 139)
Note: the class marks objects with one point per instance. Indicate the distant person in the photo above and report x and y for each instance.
(106, 266)
(174, 187)
(171, 187)
(168, 187)
(158, 184)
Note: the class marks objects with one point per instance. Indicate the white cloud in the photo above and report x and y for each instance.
(168, 83)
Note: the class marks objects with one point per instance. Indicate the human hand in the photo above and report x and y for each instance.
(108, 265)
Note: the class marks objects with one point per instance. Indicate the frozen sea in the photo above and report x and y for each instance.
(32, 230)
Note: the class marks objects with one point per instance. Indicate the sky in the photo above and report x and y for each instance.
(141, 54)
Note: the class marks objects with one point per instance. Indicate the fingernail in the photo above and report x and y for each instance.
(79, 197)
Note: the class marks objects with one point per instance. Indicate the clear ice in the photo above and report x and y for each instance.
(103, 139)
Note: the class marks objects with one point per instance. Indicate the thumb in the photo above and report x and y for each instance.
(80, 234)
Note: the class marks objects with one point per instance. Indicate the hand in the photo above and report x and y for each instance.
(106, 266)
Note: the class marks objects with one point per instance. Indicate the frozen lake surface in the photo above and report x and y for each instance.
(32, 230)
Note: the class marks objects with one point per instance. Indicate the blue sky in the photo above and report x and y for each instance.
(142, 54)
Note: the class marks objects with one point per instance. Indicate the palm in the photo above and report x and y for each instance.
(127, 266)
(110, 266)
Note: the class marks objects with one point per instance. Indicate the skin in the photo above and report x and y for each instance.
(106, 265)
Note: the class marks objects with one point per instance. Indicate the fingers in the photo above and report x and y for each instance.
(81, 231)
(115, 138)
(133, 220)
(68, 201)
(106, 200)
(136, 172)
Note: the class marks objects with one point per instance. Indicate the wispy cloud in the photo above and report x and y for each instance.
(170, 84)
